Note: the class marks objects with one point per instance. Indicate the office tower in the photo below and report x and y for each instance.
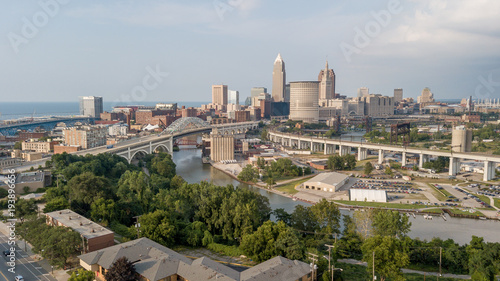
(326, 78)
(256, 91)
(427, 96)
(279, 79)
(233, 97)
(287, 93)
(219, 94)
(304, 101)
(398, 95)
(362, 92)
(91, 106)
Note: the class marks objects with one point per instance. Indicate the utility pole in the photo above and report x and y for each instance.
(314, 258)
(440, 254)
(373, 265)
(330, 258)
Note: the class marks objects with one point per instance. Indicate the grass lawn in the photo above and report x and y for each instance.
(441, 196)
(497, 202)
(290, 187)
(433, 211)
(381, 205)
(460, 212)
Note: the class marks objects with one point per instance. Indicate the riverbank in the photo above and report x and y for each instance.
(230, 170)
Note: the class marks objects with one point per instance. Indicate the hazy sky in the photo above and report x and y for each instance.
(64, 49)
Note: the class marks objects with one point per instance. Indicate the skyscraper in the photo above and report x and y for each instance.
(363, 91)
(219, 94)
(304, 101)
(256, 91)
(233, 97)
(279, 79)
(427, 96)
(91, 106)
(398, 95)
(326, 78)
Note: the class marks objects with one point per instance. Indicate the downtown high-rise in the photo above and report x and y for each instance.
(326, 78)
(279, 80)
(91, 106)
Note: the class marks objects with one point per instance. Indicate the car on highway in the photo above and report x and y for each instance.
(19, 278)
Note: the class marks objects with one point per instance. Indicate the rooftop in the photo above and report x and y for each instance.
(82, 225)
(155, 262)
(331, 178)
(30, 177)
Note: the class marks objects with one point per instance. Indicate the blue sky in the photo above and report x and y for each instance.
(109, 48)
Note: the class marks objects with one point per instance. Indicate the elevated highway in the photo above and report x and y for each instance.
(330, 146)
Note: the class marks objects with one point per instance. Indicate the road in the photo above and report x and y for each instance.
(25, 266)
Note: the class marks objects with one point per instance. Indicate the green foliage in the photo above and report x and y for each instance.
(272, 239)
(26, 189)
(263, 135)
(248, 174)
(18, 145)
(82, 275)
(159, 227)
(3, 193)
(55, 243)
(56, 204)
(438, 165)
(390, 223)
(25, 208)
(230, 251)
(121, 270)
(388, 171)
(332, 133)
(337, 162)
(368, 168)
(389, 257)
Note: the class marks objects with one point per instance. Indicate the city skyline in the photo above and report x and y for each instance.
(448, 46)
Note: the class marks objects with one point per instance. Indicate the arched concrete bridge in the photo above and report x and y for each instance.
(180, 128)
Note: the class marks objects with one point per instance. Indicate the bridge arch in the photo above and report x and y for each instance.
(133, 155)
(164, 146)
(186, 123)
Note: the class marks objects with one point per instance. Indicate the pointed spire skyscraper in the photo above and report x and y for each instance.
(279, 80)
(326, 78)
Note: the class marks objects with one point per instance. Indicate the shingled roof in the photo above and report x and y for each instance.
(155, 262)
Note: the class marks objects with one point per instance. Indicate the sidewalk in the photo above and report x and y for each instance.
(404, 270)
(59, 274)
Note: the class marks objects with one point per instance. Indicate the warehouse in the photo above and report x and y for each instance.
(330, 182)
(368, 195)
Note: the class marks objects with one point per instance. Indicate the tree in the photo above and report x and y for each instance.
(159, 227)
(248, 174)
(388, 171)
(270, 182)
(18, 145)
(389, 257)
(335, 162)
(349, 162)
(56, 204)
(327, 216)
(25, 208)
(282, 215)
(121, 270)
(362, 220)
(390, 223)
(263, 135)
(368, 169)
(26, 189)
(82, 275)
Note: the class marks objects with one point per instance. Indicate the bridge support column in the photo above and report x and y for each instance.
(325, 151)
(171, 146)
(489, 171)
(344, 150)
(403, 159)
(362, 152)
(454, 166)
(423, 158)
(129, 158)
(150, 147)
(380, 156)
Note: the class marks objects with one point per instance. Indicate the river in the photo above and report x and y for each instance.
(189, 166)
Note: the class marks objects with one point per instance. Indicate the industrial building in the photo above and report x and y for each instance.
(368, 195)
(221, 146)
(94, 236)
(461, 139)
(330, 182)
